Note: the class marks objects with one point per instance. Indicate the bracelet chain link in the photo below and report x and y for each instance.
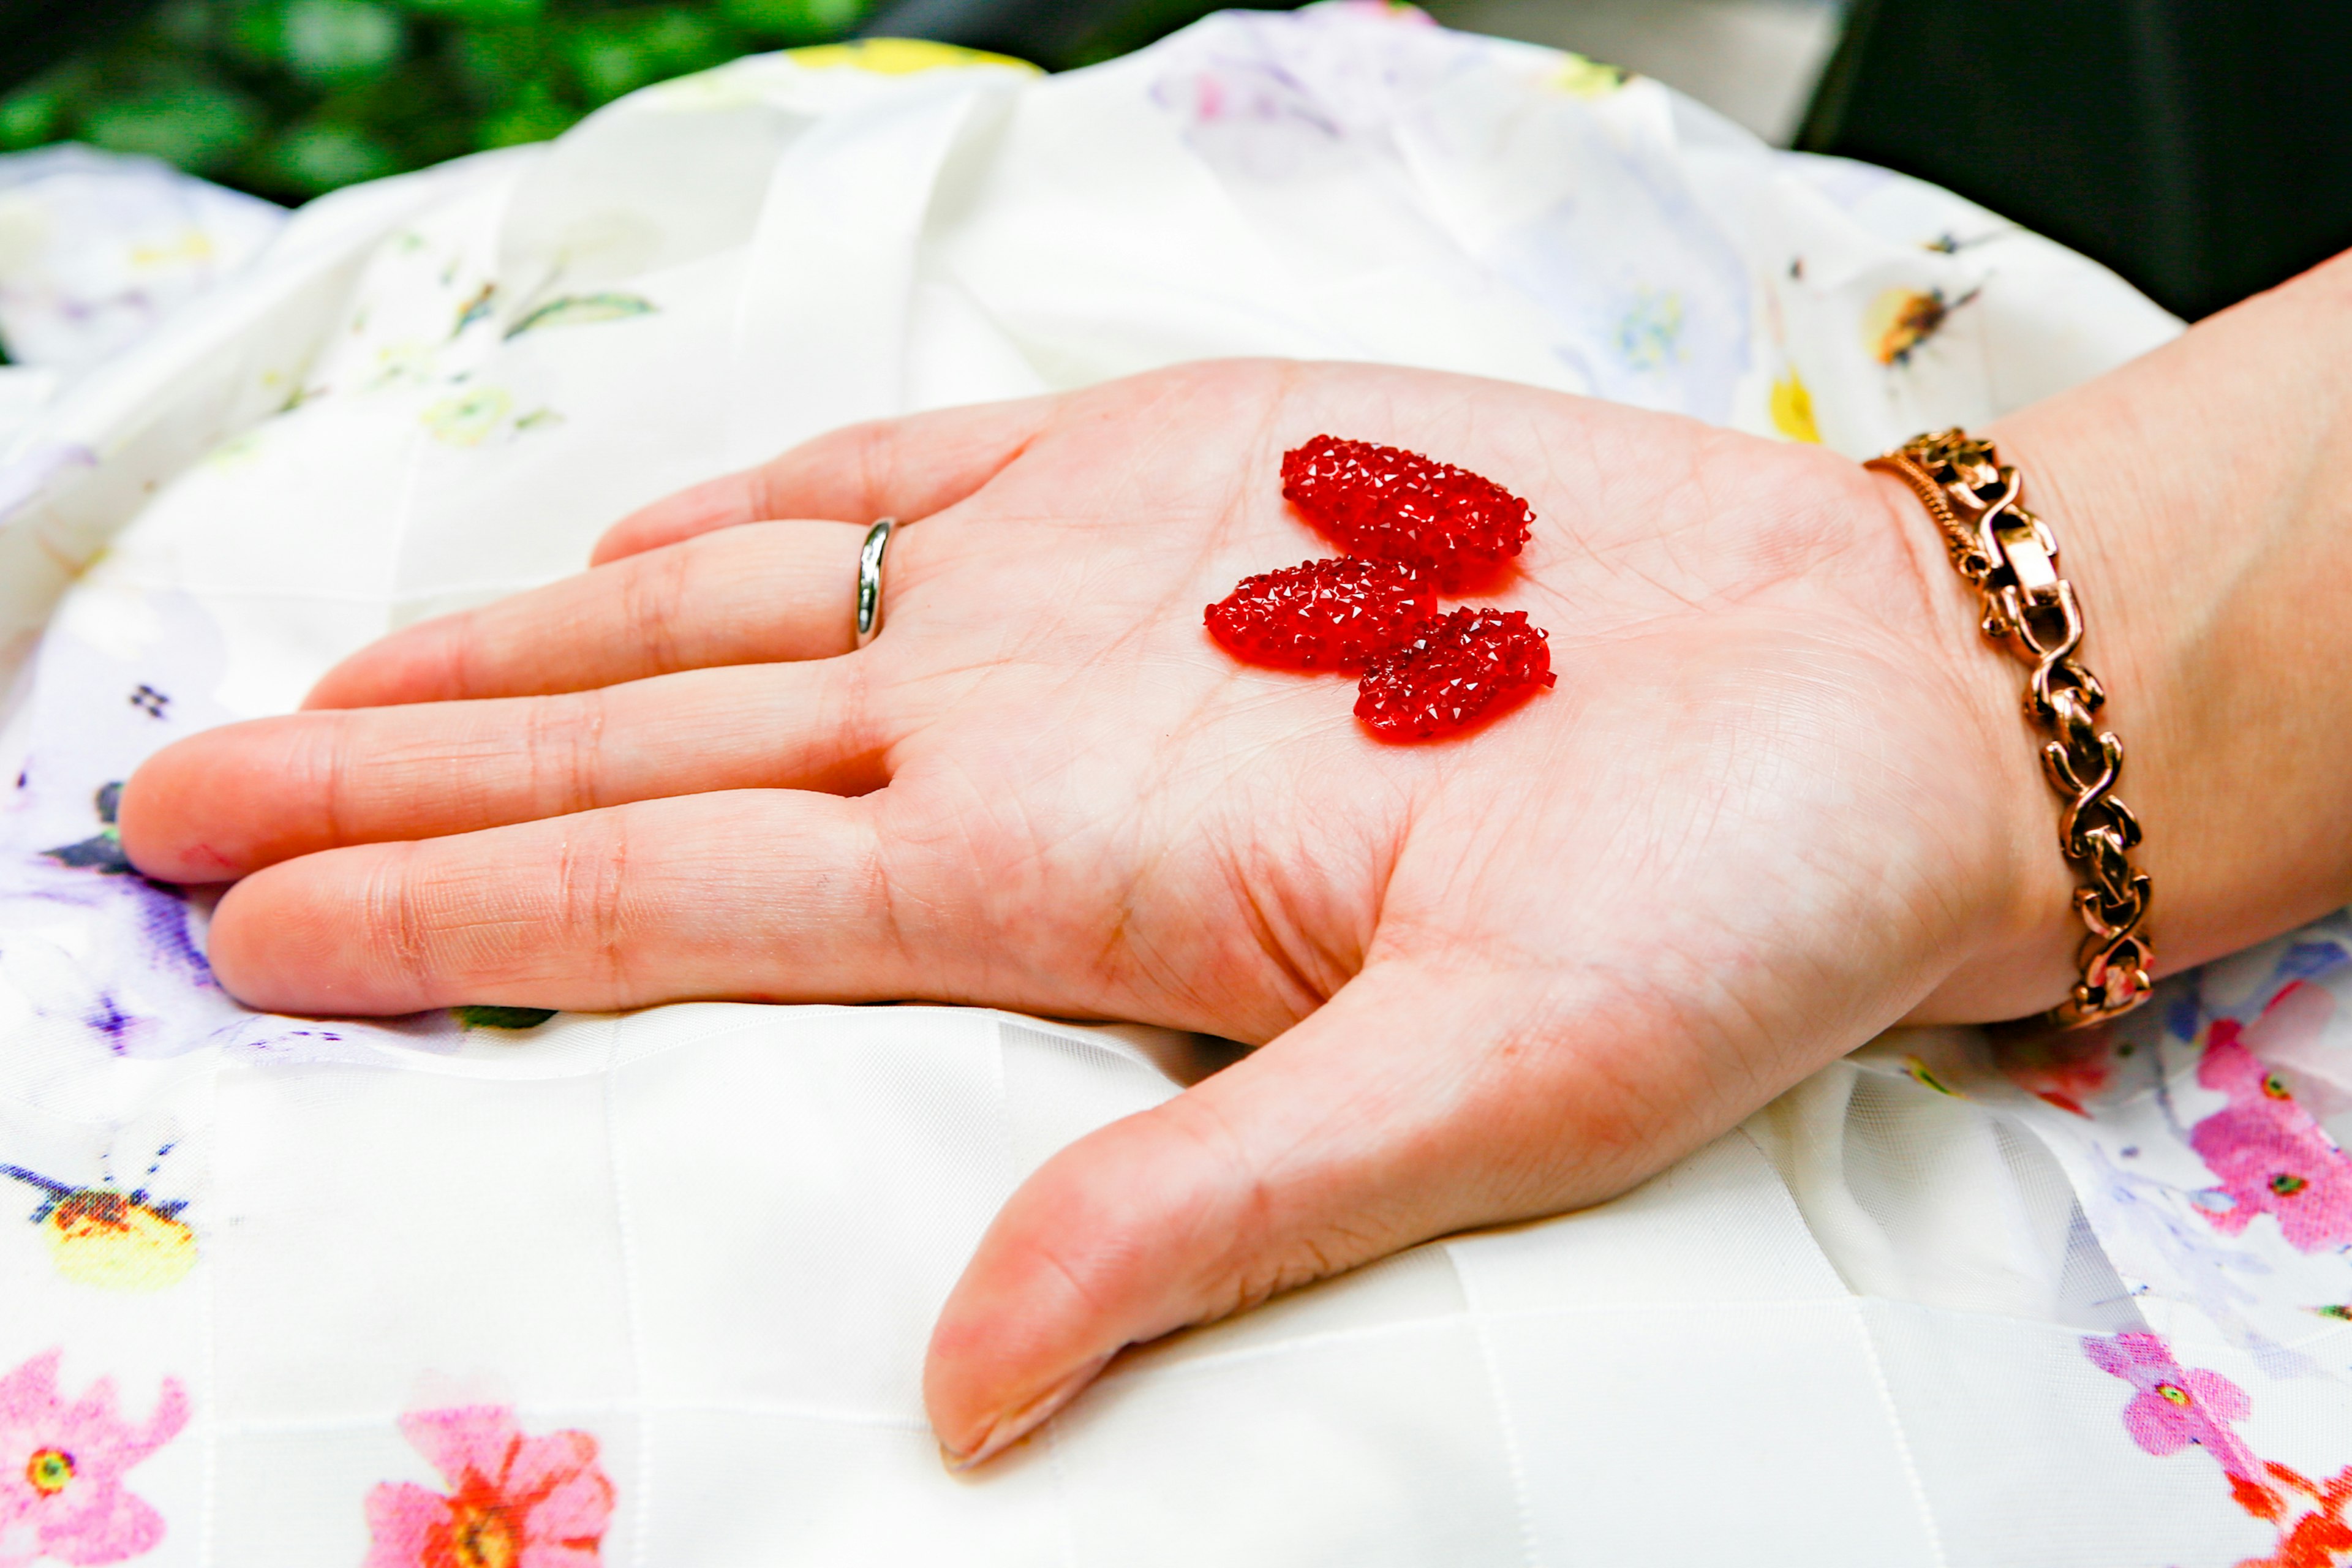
(2010, 558)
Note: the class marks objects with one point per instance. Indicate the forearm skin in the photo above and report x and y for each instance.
(2201, 497)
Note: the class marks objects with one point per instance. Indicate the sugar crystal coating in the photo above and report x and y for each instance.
(1323, 614)
(1389, 504)
(1456, 670)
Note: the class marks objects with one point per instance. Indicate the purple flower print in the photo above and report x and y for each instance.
(61, 1465)
(2174, 1407)
(2267, 1154)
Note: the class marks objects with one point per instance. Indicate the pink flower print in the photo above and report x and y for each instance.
(2267, 1152)
(2174, 1407)
(513, 1501)
(2291, 1038)
(62, 1492)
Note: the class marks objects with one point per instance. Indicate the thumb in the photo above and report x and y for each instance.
(1409, 1106)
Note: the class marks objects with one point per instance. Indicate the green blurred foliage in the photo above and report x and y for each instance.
(290, 99)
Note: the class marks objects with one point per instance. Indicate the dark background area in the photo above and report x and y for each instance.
(2202, 148)
(290, 99)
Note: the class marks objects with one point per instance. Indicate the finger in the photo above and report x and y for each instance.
(905, 468)
(759, 895)
(229, 801)
(770, 592)
(1409, 1106)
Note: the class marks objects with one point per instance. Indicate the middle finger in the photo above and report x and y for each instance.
(750, 595)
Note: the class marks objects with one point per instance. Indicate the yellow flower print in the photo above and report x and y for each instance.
(1900, 320)
(109, 1239)
(193, 247)
(1580, 77)
(1792, 409)
(898, 57)
(467, 419)
(117, 1242)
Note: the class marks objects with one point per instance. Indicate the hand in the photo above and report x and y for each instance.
(1779, 800)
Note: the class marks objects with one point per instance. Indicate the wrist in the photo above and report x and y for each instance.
(2021, 934)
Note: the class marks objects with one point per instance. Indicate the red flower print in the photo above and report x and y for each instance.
(2267, 1152)
(62, 1492)
(2064, 1070)
(2174, 1407)
(2317, 1539)
(513, 1501)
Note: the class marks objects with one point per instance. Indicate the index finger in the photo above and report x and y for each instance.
(906, 468)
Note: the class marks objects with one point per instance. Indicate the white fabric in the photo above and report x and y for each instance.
(95, 249)
(1862, 1330)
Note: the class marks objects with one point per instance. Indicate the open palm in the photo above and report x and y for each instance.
(1764, 814)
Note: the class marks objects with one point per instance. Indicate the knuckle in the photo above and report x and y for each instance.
(849, 697)
(876, 453)
(564, 739)
(589, 914)
(656, 592)
(1232, 1201)
(760, 488)
(392, 912)
(326, 766)
(459, 647)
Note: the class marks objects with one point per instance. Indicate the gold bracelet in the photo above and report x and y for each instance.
(2009, 555)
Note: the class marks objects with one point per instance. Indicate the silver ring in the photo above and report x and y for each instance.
(869, 580)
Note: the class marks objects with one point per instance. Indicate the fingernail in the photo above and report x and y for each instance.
(1018, 1423)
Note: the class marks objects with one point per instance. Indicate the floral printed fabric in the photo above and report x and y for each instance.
(95, 249)
(495, 1289)
(513, 1501)
(2175, 1408)
(61, 1468)
(2267, 1152)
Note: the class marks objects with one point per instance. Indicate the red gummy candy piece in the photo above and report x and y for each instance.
(1393, 505)
(1457, 669)
(1323, 614)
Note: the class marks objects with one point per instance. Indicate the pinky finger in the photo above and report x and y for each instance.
(769, 895)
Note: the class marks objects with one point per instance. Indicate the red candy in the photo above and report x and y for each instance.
(1393, 505)
(1410, 526)
(1458, 668)
(1323, 614)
